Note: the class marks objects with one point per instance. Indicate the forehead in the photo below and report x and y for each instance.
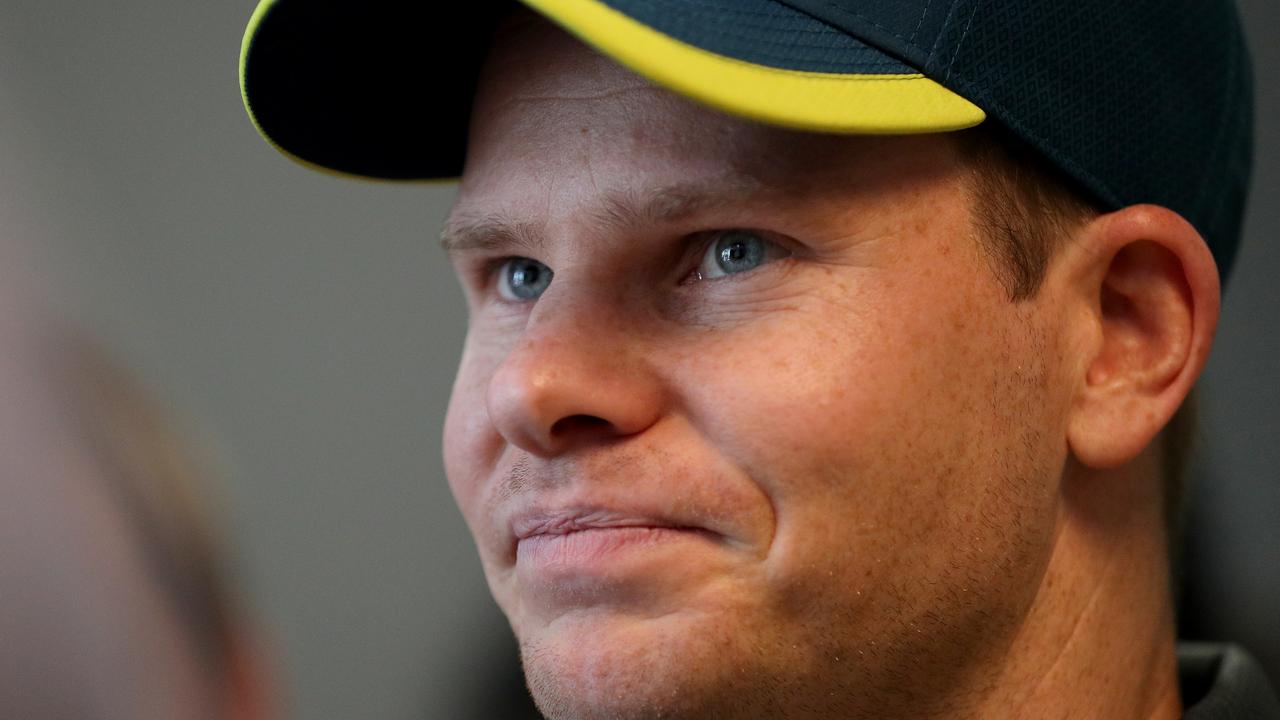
(556, 120)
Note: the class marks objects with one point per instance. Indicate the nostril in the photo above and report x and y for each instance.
(580, 424)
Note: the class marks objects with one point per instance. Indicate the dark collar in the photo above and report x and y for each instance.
(1221, 682)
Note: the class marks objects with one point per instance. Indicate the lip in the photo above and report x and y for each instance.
(566, 521)
(620, 527)
(594, 541)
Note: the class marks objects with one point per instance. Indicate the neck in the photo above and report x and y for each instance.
(1099, 639)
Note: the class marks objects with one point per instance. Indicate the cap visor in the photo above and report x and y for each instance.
(363, 90)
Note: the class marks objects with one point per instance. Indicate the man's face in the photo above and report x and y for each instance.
(773, 441)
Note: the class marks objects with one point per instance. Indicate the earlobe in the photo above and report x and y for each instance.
(1153, 295)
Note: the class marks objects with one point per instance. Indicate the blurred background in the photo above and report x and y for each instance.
(306, 329)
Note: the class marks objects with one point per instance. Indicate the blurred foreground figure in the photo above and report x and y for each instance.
(113, 604)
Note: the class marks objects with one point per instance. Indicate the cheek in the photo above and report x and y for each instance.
(472, 447)
(817, 393)
(880, 431)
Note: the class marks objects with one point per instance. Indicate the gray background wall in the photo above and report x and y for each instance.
(307, 328)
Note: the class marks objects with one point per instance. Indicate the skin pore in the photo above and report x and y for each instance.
(854, 479)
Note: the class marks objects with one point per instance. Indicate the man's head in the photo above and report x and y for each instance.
(748, 424)
(842, 420)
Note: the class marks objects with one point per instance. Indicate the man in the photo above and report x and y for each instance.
(785, 395)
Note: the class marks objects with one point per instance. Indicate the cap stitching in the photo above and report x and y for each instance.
(942, 32)
(920, 22)
(963, 35)
(842, 11)
(859, 16)
(695, 12)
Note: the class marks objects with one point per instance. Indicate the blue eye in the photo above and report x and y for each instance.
(522, 279)
(734, 252)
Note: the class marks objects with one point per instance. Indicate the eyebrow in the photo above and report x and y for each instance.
(613, 212)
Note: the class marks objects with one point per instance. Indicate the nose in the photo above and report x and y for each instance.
(573, 380)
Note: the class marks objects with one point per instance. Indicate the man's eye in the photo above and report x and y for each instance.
(522, 279)
(736, 251)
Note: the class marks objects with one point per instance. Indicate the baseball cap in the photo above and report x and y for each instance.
(1142, 101)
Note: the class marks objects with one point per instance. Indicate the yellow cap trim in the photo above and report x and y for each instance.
(821, 102)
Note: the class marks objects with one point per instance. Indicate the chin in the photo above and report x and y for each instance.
(601, 664)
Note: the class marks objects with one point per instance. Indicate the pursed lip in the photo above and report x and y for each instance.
(563, 521)
(562, 547)
(576, 505)
(541, 524)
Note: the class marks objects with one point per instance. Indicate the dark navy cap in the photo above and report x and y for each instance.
(1140, 101)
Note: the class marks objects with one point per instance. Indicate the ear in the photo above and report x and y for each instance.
(1152, 296)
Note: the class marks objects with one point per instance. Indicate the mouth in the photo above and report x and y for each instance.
(568, 521)
(596, 542)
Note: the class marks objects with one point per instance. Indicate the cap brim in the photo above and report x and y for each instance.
(369, 90)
